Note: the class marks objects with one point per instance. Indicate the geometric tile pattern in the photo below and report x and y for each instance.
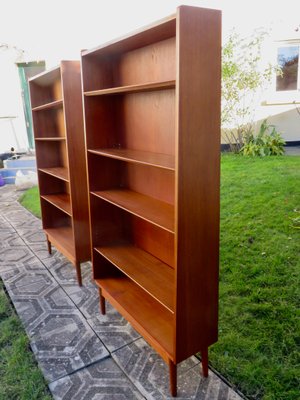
(149, 373)
(103, 380)
(63, 342)
(112, 329)
(82, 353)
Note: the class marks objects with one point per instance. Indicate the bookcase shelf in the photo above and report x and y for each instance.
(150, 209)
(140, 157)
(152, 319)
(151, 86)
(60, 200)
(156, 278)
(49, 139)
(52, 104)
(58, 172)
(63, 240)
(152, 126)
(56, 99)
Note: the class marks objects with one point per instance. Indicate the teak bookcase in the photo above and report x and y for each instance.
(152, 122)
(56, 100)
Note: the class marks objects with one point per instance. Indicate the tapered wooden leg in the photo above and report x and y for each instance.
(102, 303)
(78, 273)
(204, 359)
(173, 378)
(49, 245)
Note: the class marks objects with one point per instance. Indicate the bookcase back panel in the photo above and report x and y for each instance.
(147, 121)
(107, 173)
(49, 123)
(142, 121)
(46, 91)
(101, 128)
(50, 185)
(51, 154)
(53, 217)
(152, 63)
(154, 240)
(114, 226)
(151, 181)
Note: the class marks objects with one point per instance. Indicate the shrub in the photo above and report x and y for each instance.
(268, 142)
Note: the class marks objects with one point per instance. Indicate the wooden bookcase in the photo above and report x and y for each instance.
(152, 123)
(56, 100)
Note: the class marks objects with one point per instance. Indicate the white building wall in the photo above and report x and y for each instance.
(12, 132)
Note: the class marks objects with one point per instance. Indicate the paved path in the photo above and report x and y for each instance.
(82, 354)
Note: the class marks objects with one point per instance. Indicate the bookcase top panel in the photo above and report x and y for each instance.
(160, 30)
(46, 78)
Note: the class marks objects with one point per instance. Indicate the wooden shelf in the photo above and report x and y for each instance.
(60, 200)
(145, 207)
(146, 87)
(63, 240)
(153, 33)
(50, 139)
(58, 172)
(149, 318)
(152, 275)
(53, 104)
(165, 161)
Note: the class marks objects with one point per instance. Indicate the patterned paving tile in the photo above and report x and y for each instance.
(63, 343)
(30, 280)
(19, 218)
(86, 299)
(33, 236)
(10, 270)
(34, 308)
(103, 380)
(10, 238)
(112, 329)
(64, 271)
(5, 227)
(41, 251)
(14, 255)
(149, 373)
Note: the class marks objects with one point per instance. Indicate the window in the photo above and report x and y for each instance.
(288, 59)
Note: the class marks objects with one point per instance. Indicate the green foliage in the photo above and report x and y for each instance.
(268, 142)
(244, 77)
(30, 200)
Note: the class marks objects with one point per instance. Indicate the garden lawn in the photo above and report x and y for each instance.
(20, 377)
(30, 200)
(259, 330)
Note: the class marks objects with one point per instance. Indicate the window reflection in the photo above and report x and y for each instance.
(288, 58)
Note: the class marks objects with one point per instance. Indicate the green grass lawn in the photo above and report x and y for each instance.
(20, 377)
(258, 347)
(30, 200)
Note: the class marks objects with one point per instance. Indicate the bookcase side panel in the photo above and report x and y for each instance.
(72, 96)
(197, 176)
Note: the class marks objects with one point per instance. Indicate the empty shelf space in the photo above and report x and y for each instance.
(59, 200)
(50, 139)
(149, 317)
(141, 157)
(145, 87)
(155, 277)
(148, 208)
(58, 172)
(52, 104)
(62, 238)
